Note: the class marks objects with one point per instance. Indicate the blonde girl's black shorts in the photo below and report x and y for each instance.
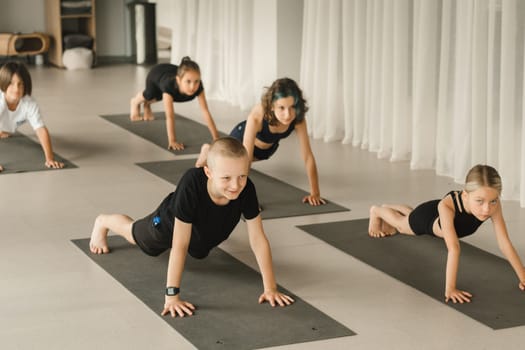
(421, 219)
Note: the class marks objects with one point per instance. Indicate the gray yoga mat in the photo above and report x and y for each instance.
(191, 133)
(420, 262)
(277, 198)
(225, 292)
(19, 154)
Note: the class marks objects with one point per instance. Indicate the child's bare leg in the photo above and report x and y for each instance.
(148, 114)
(201, 161)
(391, 218)
(120, 224)
(135, 103)
(402, 208)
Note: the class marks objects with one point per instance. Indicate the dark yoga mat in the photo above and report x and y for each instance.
(278, 199)
(225, 292)
(191, 133)
(20, 154)
(420, 262)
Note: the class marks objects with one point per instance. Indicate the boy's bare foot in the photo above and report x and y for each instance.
(201, 161)
(98, 243)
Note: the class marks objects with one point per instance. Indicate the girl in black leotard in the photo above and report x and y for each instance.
(171, 83)
(458, 214)
(281, 111)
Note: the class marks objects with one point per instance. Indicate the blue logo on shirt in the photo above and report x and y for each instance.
(156, 220)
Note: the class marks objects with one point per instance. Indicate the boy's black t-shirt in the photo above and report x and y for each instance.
(211, 223)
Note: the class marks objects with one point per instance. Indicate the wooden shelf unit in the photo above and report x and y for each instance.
(58, 25)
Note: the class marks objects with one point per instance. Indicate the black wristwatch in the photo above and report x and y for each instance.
(171, 291)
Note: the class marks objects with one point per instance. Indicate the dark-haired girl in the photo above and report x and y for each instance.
(281, 111)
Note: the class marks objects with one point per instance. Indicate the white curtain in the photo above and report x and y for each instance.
(436, 82)
(218, 35)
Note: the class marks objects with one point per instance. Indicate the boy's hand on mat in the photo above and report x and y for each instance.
(457, 296)
(174, 306)
(4, 135)
(314, 200)
(54, 164)
(275, 298)
(174, 145)
(521, 285)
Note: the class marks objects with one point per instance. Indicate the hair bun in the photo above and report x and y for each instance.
(186, 64)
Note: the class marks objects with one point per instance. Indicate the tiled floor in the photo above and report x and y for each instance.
(53, 297)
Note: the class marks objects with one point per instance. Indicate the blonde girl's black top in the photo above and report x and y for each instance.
(422, 218)
(464, 223)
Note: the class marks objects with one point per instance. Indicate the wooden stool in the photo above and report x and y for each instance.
(12, 44)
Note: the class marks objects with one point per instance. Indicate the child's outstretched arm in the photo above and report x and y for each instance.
(261, 249)
(506, 247)
(311, 168)
(45, 140)
(179, 248)
(446, 217)
(253, 126)
(207, 116)
(169, 111)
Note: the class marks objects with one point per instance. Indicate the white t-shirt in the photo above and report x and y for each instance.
(26, 111)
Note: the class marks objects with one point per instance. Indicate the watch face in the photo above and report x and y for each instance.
(172, 291)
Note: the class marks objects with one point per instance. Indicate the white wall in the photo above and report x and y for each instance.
(15, 17)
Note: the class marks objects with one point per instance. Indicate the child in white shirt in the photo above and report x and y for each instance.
(17, 106)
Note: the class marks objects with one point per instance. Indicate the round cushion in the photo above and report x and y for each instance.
(78, 58)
